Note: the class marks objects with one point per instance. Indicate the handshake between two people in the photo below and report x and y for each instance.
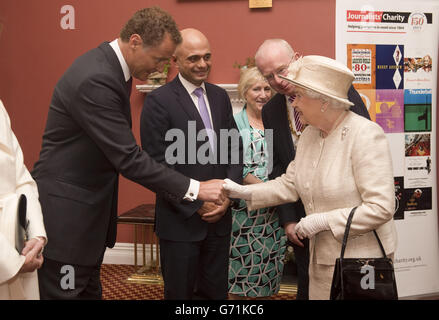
(219, 191)
(213, 210)
(216, 193)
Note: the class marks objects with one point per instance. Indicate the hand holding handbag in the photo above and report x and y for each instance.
(21, 230)
(363, 278)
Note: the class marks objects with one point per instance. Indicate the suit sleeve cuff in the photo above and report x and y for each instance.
(192, 192)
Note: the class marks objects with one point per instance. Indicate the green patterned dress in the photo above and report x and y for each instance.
(258, 241)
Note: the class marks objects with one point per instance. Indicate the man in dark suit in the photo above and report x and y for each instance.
(274, 57)
(88, 142)
(194, 237)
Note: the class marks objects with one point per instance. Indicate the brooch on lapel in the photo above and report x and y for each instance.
(344, 132)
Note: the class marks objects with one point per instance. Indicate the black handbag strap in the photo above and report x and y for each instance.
(346, 234)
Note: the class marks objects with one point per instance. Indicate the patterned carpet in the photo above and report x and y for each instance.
(116, 287)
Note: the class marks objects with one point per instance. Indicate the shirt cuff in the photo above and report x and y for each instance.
(192, 191)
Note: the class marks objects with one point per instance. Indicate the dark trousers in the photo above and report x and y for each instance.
(63, 281)
(195, 270)
(301, 255)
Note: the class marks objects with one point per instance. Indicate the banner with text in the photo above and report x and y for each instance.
(391, 47)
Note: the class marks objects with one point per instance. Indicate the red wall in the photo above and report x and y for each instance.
(35, 51)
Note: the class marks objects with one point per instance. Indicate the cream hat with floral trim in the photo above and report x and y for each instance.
(323, 75)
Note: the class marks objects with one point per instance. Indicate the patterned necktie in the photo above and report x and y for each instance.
(297, 123)
(204, 114)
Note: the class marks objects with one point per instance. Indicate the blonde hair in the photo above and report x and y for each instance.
(249, 76)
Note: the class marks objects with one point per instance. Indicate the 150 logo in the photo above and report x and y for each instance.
(417, 20)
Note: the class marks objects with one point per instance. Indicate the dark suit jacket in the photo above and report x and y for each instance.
(171, 107)
(86, 144)
(275, 116)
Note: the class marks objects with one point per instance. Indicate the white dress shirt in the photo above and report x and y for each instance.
(190, 88)
(123, 63)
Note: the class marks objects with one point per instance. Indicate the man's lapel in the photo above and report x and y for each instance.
(114, 63)
(282, 123)
(215, 108)
(189, 107)
(186, 102)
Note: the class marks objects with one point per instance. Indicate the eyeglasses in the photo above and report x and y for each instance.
(282, 70)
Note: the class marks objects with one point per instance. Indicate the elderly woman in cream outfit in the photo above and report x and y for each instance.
(342, 161)
(18, 276)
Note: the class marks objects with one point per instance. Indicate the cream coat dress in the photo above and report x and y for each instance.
(15, 180)
(350, 167)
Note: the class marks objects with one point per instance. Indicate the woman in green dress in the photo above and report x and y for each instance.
(258, 241)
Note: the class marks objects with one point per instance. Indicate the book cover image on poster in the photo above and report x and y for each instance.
(399, 198)
(389, 66)
(418, 64)
(368, 96)
(417, 199)
(418, 172)
(390, 110)
(417, 145)
(417, 110)
(418, 67)
(361, 60)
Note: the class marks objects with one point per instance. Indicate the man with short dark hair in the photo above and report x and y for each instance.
(194, 237)
(273, 58)
(88, 142)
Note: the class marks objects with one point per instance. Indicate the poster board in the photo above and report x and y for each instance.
(391, 46)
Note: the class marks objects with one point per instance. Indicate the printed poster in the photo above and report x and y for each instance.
(390, 110)
(389, 66)
(399, 198)
(417, 110)
(392, 49)
(362, 63)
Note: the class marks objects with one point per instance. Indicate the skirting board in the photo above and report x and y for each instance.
(123, 253)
